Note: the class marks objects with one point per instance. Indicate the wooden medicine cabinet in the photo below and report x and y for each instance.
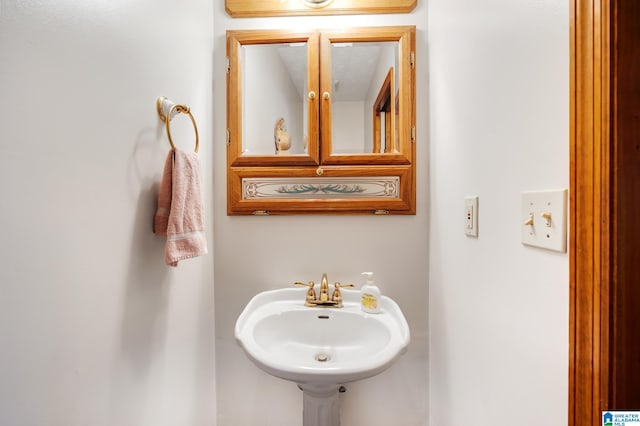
(321, 121)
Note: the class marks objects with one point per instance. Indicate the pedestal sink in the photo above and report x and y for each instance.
(320, 348)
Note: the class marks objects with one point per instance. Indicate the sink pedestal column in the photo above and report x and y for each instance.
(320, 405)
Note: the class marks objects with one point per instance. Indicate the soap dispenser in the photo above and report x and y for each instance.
(370, 295)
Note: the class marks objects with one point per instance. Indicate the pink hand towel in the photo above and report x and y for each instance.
(180, 214)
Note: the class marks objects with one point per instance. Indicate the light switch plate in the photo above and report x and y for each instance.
(544, 219)
(471, 216)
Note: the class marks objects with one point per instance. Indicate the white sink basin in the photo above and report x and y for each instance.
(320, 347)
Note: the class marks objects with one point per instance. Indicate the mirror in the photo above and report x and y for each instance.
(274, 88)
(363, 86)
(321, 121)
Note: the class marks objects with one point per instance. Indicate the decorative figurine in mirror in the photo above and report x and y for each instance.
(281, 138)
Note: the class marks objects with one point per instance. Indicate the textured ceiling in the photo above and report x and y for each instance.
(352, 68)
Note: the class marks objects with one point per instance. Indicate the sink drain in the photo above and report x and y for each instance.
(322, 357)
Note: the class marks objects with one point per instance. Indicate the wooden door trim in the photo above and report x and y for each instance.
(590, 207)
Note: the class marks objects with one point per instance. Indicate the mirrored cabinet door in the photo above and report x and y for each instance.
(272, 98)
(366, 107)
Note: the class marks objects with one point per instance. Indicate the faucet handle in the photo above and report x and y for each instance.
(337, 294)
(311, 293)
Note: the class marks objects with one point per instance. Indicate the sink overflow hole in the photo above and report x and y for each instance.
(323, 316)
(322, 357)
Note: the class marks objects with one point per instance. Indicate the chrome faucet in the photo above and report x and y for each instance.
(323, 299)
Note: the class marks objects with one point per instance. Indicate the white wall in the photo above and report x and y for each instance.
(498, 125)
(266, 82)
(94, 328)
(259, 253)
(347, 136)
